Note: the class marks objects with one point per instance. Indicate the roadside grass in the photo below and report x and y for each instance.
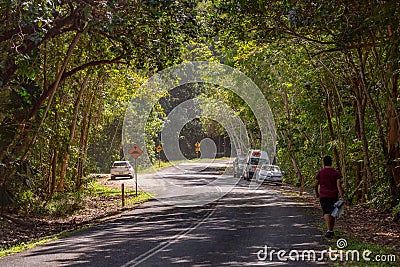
(94, 190)
(351, 254)
(28, 245)
(349, 250)
(158, 166)
(131, 199)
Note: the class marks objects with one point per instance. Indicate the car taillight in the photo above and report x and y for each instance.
(113, 167)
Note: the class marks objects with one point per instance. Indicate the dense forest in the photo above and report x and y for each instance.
(328, 69)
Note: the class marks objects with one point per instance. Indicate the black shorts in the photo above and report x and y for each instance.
(327, 204)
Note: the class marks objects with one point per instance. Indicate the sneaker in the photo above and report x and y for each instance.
(329, 234)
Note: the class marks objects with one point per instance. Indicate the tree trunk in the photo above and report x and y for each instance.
(328, 113)
(358, 193)
(364, 142)
(85, 127)
(65, 156)
(53, 178)
(25, 146)
(359, 87)
(296, 167)
(81, 158)
(393, 117)
(394, 153)
(342, 145)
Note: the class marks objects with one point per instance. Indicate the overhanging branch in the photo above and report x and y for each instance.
(47, 92)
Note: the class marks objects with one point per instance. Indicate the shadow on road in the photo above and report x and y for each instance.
(227, 233)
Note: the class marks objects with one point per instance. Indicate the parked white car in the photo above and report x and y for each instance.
(121, 169)
(269, 173)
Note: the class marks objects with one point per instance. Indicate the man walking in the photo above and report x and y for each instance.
(327, 188)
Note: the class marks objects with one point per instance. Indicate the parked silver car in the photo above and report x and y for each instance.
(238, 166)
(121, 169)
(269, 173)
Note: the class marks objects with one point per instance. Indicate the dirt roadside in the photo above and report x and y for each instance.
(366, 224)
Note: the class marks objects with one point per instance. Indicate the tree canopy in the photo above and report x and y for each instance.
(328, 69)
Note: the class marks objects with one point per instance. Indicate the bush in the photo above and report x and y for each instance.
(396, 212)
(65, 204)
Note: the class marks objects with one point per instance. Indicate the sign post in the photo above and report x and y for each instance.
(135, 152)
(159, 149)
(123, 194)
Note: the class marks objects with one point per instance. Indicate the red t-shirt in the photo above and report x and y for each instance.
(327, 178)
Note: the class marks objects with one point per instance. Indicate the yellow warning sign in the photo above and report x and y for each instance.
(135, 151)
(159, 148)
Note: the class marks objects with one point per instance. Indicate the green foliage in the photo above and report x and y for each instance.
(97, 189)
(308, 59)
(65, 204)
(23, 192)
(370, 249)
(24, 246)
(381, 196)
(328, 71)
(396, 211)
(26, 200)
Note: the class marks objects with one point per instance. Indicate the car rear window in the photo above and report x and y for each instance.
(254, 161)
(267, 168)
(262, 162)
(121, 164)
(271, 168)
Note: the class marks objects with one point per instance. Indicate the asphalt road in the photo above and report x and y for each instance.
(240, 229)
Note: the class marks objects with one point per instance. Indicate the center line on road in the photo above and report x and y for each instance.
(138, 260)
